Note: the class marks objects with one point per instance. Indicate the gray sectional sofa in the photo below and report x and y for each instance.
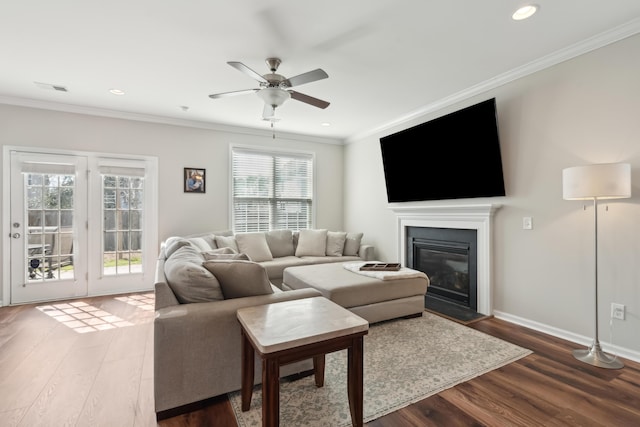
(201, 280)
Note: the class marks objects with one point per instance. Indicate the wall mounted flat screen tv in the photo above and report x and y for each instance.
(455, 156)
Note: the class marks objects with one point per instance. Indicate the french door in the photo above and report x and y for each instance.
(80, 225)
(48, 233)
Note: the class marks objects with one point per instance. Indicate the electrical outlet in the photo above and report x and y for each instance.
(617, 311)
(527, 223)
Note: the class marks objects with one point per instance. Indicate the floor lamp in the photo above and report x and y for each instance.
(597, 182)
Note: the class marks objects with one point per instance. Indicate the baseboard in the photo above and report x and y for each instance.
(569, 336)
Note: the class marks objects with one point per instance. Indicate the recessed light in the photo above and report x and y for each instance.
(525, 12)
(116, 91)
(326, 124)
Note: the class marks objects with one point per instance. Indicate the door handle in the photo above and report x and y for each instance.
(16, 235)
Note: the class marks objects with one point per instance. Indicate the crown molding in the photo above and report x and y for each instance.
(600, 40)
(103, 112)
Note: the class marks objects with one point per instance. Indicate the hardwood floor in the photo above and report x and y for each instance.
(54, 371)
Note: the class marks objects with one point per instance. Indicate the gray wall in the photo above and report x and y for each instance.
(585, 110)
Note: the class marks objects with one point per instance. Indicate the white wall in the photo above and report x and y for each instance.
(586, 110)
(176, 147)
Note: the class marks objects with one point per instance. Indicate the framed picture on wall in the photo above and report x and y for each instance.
(194, 180)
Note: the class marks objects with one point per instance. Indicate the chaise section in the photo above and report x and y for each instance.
(371, 298)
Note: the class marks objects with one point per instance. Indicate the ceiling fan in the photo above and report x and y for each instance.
(275, 89)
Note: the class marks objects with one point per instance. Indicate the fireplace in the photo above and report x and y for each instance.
(449, 257)
(477, 218)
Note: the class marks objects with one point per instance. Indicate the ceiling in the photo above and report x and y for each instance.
(386, 60)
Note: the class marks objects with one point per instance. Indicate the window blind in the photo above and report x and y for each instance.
(271, 190)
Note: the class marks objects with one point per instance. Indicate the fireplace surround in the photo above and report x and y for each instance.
(478, 217)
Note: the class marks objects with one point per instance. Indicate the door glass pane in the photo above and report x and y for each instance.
(49, 218)
(122, 203)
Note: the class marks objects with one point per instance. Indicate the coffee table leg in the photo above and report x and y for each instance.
(247, 372)
(355, 381)
(318, 370)
(270, 392)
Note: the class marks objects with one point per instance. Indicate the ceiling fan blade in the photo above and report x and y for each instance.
(248, 71)
(308, 77)
(237, 92)
(308, 99)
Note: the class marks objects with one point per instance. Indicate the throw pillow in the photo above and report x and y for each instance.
(312, 243)
(240, 279)
(172, 244)
(220, 251)
(227, 242)
(335, 242)
(280, 243)
(209, 238)
(255, 245)
(200, 244)
(352, 244)
(188, 279)
(212, 256)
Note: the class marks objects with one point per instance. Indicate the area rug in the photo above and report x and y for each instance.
(405, 360)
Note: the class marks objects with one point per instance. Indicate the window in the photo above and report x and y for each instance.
(50, 201)
(123, 201)
(271, 190)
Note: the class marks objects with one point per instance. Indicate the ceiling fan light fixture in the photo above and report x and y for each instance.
(274, 96)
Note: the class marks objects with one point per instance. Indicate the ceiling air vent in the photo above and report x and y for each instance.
(49, 86)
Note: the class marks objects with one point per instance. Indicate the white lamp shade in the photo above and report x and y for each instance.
(599, 181)
(274, 96)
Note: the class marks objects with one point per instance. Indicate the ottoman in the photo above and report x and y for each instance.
(371, 295)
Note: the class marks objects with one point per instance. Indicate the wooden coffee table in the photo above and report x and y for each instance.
(289, 331)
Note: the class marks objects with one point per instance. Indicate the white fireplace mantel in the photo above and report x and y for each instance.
(477, 217)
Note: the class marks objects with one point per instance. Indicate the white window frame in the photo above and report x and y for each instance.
(272, 152)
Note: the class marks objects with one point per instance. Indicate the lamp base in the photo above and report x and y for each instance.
(596, 357)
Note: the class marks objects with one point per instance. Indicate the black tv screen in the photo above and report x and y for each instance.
(455, 156)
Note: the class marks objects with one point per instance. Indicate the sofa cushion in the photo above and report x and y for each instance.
(188, 279)
(277, 265)
(227, 242)
(239, 278)
(255, 245)
(280, 243)
(352, 244)
(295, 234)
(312, 243)
(335, 243)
